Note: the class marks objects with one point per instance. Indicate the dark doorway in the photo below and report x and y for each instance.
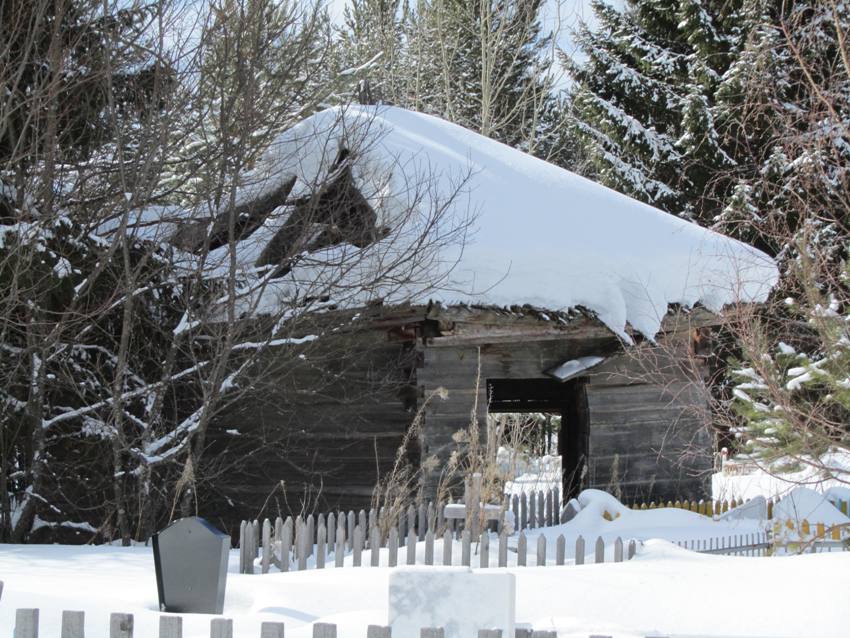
(550, 396)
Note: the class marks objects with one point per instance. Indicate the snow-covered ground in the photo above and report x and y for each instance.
(662, 591)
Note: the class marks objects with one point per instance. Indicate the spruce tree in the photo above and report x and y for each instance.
(643, 100)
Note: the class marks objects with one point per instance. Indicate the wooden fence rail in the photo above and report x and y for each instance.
(171, 626)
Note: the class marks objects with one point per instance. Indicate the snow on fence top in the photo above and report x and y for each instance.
(506, 228)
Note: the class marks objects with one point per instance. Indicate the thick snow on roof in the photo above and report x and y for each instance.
(538, 234)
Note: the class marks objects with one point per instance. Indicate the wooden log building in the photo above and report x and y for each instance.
(637, 422)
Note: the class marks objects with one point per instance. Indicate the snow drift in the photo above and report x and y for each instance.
(533, 233)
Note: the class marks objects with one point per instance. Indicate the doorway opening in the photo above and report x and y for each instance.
(543, 418)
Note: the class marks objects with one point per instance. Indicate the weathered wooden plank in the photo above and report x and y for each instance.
(560, 550)
(324, 630)
(271, 630)
(580, 551)
(221, 628)
(618, 550)
(429, 547)
(375, 547)
(447, 547)
(378, 631)
(600, 550)
(411, 546)
(357, 550)
(465, 548)
(73, 625)
(489, 633)
(169, 627)
(432, 632)
(521, 550)
(503, 549)
(541, 551)
(121, 625)
(392, 548)
(484, 549)
(339, 548)
(26, 623)
(267, 546)
(321, 546)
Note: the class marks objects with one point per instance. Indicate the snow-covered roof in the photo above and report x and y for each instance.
(534, 233)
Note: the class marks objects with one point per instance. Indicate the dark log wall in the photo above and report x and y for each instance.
(316, 431)
(649, 429)
(456, 368)
(647, 419)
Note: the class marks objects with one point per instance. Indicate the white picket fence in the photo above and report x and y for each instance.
(527, 511)
(754, 544)
(288, 547)
(171, 626)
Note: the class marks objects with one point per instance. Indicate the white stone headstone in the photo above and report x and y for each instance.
(451, 597)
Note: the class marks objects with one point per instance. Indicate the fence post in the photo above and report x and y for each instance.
(579, 558)
(242, 561)
(521, 550)
(447, 547)
(221, 628)
(632, 549)
(267, 546)
(429, 547)
(465, 548)
(523, 512)
(484, 549)
(120, 625)
(503, 549)
(411, 522)
(302, 545)
(411, 546)
(271, 630)
(378, 631)
(544, 634)
(600, 550)
(311, 534)
(339, 550)
(392, 547)
(541, 508)
(351, 524)
(541, 551)
(324, 630)
(26, 623)
(560, 550)
(321, 546)
(169, 627)
(532, 510)
(423, 522)
(618, 550)
(375, 546)
(549, 508)
(73, 625)
(357, 551)
(556, 514)
(331, 531)
(489, 633)
(432, 632)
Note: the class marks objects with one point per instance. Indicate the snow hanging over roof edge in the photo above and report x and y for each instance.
(537, 234)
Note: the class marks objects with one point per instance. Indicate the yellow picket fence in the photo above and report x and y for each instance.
(715, 508)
